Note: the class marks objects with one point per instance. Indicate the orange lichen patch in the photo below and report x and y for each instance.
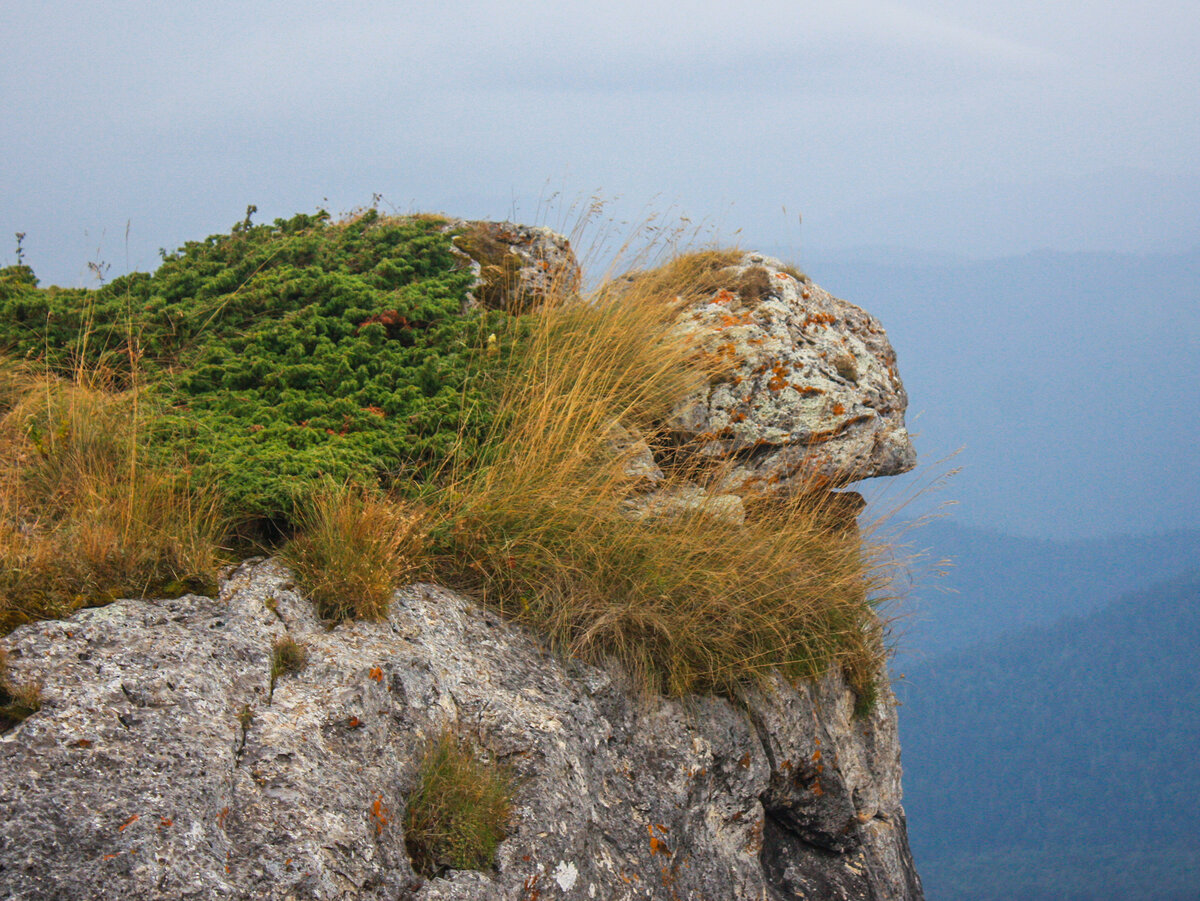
(782, 275)
(165, 823)
(778, 381)
(532, 892)
(723, 296)
(838, 410)
(744, 762)
(110, 856)
(816, 755)
(129, 822)
(81, 743)
(816, 789)
(806, 294)
(376, 674)
(754, 842)
(730, 320)
(380, 815)
(354, 723)
(818, 319)
(657, 845)
(222, 816)
(738, 416)
(807, 390)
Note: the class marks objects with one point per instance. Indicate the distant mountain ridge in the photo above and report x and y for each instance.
(1058, 762)
(997, 583)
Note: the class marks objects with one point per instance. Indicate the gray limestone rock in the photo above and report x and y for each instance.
(163, 765)
(516, 266)
(812, 389)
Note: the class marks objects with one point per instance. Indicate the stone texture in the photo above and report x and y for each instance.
(516, 266)
(813, 386)
(162, 765)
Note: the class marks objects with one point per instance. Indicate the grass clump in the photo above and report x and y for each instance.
(689, 601)
(458, 812)
(353, 550)
(87, 514)
(288, 656)
(17, 702)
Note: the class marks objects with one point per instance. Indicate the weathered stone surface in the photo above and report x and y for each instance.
(516, 266)
(813, 387)
(162, 765)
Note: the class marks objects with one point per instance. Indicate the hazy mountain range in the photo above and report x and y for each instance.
(1058, 762)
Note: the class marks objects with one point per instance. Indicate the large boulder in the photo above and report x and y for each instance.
(164, 764)
(811, 389)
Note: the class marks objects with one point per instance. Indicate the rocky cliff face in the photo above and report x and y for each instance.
(163, 764)
(167, 761)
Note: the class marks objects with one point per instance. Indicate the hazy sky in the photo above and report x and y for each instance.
(969, 127)
(899, 132)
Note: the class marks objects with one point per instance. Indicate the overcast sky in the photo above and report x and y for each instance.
(878, 130)
(964, 127)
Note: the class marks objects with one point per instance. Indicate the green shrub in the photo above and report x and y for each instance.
(458, 812)
(283, 353)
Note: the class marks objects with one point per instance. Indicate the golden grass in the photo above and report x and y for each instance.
(354, 550)
(458, 812)
(17, 702)
(85, 515)
(686, 602)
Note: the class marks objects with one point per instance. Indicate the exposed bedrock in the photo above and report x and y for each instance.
(162, 765)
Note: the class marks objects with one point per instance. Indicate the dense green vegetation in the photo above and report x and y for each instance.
(285, 353)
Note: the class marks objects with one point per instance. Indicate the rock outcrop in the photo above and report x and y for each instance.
(812, 387)
(516, 266)
(163, 764)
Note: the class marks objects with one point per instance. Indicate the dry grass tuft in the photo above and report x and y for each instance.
(288, 657)
(17, 702)
(459, 810)
(354, 550)
(690, 276)
(85, 516)
(686, 602)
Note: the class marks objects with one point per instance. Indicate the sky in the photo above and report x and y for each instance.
(931, 131)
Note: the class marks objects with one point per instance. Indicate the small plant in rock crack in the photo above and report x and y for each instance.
(287, 656)
(17, 702)
(459, 810)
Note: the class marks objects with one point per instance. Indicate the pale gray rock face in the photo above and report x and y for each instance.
(162, 765)
(813, 387)
(516, 266)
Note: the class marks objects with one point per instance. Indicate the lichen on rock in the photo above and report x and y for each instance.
(139, 778)
(812, 387)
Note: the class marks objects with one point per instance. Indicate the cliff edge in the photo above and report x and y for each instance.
(163, 764)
